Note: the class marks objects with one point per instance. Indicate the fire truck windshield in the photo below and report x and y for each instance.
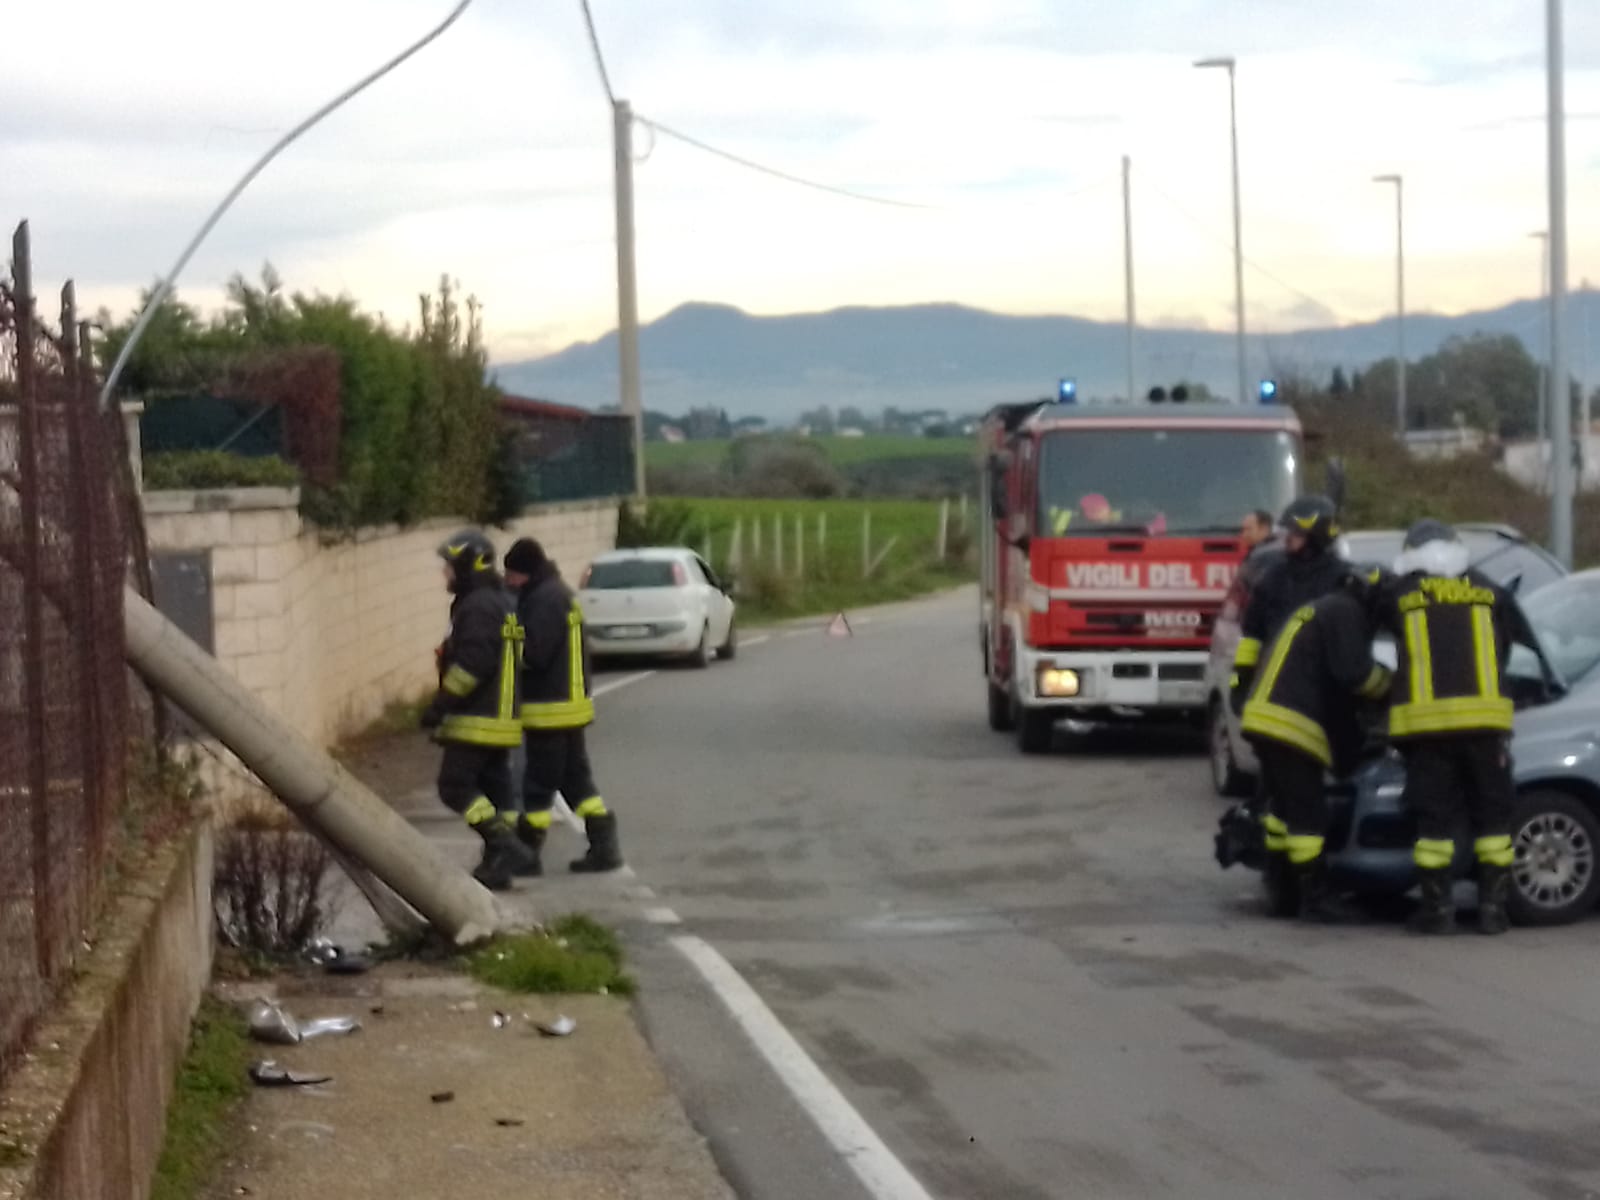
(1161, 481)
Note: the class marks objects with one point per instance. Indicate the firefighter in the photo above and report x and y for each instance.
(1309, 570)
(1301, 718)
(473, 715)
(1451, 718)
(557, 705)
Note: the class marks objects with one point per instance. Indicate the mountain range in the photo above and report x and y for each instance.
(947, 356)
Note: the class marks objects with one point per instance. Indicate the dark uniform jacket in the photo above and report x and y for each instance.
(1452, 634)
(477, 694)
(556, 692)
(1302, 695)
(1284, 587)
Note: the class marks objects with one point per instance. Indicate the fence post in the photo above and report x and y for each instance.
(944, 528)
(736, 546)
(866, 542)
(963, 503)
(777, 543)
(822, 537)
(755, 541)
(705, 541)
(799, 545)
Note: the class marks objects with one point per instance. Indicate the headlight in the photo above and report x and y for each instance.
(1057, 681)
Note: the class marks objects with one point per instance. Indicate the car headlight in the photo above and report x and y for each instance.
(1057, 681)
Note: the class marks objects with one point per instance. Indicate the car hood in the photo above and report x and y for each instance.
(1560, 738)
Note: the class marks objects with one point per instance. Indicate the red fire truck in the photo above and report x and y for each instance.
(1110, 537)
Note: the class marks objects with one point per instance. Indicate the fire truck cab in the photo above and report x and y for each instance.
(1110, 538)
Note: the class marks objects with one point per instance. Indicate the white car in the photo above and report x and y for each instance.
(666, 602)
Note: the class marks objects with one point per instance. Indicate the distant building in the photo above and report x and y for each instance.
(850, 431)
(671, 433)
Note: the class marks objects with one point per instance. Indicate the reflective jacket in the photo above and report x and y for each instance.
(1451, 634)
(478, 669)
(1284, 587)
(1302, 695)
(555, 658)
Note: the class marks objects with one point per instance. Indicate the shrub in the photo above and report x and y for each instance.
(658, 523)
(186, 469)
(269, 894)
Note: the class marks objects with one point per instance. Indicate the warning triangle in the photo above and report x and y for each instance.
(839, 627)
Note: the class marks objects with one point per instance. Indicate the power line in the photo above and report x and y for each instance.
(599, 57)
(740, 160)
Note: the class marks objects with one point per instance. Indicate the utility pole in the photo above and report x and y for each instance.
(1400, 298)
(1542, 396)
(1585, 383)
(1560, 387)
(627, 288)
(1227, 63)
(1127, 257)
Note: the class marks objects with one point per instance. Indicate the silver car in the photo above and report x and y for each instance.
(1555, 826)
(1499, 551)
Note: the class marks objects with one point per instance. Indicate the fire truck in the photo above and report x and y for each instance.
(1110, 536)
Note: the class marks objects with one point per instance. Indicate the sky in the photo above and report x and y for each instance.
(996, 128)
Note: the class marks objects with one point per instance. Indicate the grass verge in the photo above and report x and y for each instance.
(575, 954)
(211, 1084)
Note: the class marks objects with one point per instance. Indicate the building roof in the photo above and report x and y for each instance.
(525, 406)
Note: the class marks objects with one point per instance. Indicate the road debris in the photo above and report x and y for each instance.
(509, 1122)
(267, 1073)
(560, 1027)
(271, 1022)
(500, 1020)
(442, 1097)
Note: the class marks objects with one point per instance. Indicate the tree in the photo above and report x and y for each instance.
(1338, 385)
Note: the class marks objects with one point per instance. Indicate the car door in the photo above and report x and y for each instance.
(718, 605)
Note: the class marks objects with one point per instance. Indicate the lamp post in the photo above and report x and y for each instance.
(1400, 298)
(1227, 63)
(1558, 382)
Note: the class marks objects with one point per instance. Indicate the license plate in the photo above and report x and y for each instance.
(1182, 692)
(628, 631)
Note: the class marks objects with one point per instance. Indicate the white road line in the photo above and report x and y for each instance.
(619, 684)
(662, 916)
(883, 1175)
(746, 643)
(794, 633)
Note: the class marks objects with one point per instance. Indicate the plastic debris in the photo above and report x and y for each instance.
(321, 951)
(335, 959)
(267, 1073)
(442, 1097)
(509, 1122)
(271, 1022)
(500, 1020)
(560, 1027)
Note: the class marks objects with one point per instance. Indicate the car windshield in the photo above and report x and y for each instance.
(1566, 616)
(1500, 559)
(631, 573)
(1095, 481)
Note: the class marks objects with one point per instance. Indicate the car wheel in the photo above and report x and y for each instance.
(1036, 730)
(1226, 778)
(1279, 886)
(1001, 719)
(730, 648)
(1556, 839)
(701, 658)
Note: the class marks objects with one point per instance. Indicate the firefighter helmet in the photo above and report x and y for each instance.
(1428, 530)
(468, 554)
(1313, 516)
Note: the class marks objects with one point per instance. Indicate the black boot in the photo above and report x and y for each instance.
(503, 856)
(532, 839)
(1436, 912)
(1318, 904)
(604, 852)
(1494, 886)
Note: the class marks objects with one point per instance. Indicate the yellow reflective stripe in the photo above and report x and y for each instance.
(1421, 655)
(459, 682)
(592, 807)
(1060, 519)
(1432, 853)
(1495, 851)
(538, 820)
(511, 635)
(575, 650)
(481, 731)
(479, 812)
(1375, 684)
(1274, 824)
(1281, 724)
(1483, 648)
(559, 714)
(1249, 652)
(1303, 847)
(1280, 652)
(1457, 714)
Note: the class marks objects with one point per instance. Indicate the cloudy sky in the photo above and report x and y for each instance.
(489, 156)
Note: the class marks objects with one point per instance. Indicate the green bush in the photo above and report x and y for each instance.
(192, 469)
(658, 523)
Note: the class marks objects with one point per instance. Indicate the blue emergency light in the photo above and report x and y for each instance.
(1067, 392)
(1269, 391)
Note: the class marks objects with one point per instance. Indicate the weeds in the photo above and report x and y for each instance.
(575, 954)
(211, 1083)
(269, 895)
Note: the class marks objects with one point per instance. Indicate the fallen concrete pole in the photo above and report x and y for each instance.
(326, 797)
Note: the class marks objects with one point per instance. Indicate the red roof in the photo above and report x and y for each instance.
(544, 408)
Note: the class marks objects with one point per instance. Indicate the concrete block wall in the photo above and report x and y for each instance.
(330, 632)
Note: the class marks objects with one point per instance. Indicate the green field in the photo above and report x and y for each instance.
(841, 451)
(825, 572)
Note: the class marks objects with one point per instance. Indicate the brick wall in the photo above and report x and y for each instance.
(329, 632)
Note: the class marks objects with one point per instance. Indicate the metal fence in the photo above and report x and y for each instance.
(568, 454)
(65, 718)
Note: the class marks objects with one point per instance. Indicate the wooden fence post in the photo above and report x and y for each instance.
(866, 542)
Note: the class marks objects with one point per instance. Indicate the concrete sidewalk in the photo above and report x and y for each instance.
(587, 1117)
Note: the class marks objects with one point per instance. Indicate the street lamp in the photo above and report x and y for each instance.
(1400, 297)
(1227, 63)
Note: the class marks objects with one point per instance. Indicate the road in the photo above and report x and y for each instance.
(1028, 976)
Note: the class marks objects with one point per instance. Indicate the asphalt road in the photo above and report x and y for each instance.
(1028, 975)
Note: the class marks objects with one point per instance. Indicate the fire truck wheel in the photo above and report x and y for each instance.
(1036, 730)
(1000, 718)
